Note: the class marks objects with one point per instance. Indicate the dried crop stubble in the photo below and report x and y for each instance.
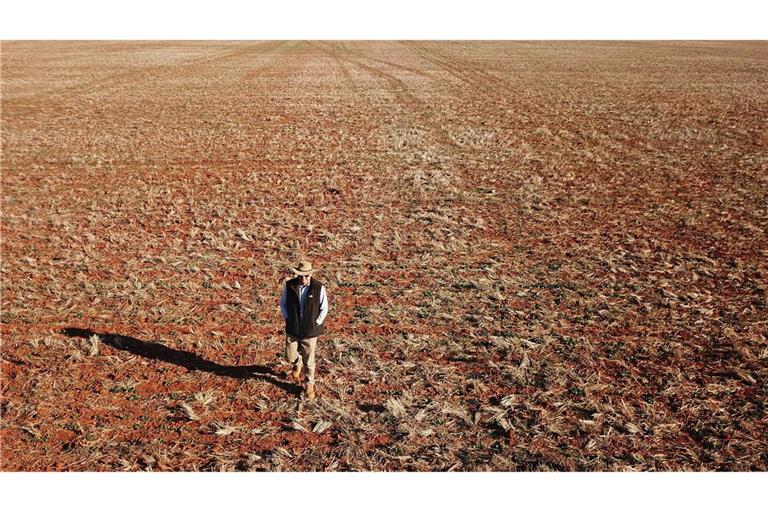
(542, 256)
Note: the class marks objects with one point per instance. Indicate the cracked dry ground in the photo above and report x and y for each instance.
(539, 255)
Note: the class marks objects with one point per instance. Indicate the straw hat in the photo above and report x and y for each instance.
(304, 268)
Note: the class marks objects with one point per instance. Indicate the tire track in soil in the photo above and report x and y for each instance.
(479, 80)
(526, 114)
(341, 63)
(454, 163)
(510, 99)
(385, 62)
(446, 149)
(403, 96)
(564, 117)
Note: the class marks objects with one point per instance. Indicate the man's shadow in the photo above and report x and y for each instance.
(189, 360)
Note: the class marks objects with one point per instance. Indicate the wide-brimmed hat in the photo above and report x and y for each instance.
(304, 268)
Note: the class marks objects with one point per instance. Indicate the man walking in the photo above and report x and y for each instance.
(304, 304)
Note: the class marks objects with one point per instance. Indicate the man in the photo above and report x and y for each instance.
(304, 304)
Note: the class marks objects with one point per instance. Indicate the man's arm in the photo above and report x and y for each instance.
(323, 306)
(283, 300)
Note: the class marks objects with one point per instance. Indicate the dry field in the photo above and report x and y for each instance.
(539, 255)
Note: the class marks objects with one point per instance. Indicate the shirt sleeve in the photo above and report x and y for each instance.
(323, 306)
(283, 299)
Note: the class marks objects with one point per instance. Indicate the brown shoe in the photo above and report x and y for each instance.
(293, 373)
(310, 393)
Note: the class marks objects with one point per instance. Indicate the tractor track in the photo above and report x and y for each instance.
(480, 81)
(409, 101)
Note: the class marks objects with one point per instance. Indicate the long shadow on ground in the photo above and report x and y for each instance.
(189, 360)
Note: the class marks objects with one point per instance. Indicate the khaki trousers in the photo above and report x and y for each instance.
(301, 352)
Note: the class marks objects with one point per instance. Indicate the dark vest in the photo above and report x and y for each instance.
(306, 326)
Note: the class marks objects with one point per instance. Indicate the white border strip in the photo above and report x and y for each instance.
(392, 19)
(384, 491)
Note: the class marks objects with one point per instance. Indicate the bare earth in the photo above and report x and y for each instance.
(539, 255)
